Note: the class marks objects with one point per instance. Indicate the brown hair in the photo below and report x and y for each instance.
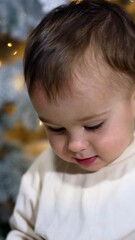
(64, 35)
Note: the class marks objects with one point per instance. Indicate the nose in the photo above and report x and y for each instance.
(77, 143)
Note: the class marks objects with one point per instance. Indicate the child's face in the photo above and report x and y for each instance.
(92, 127)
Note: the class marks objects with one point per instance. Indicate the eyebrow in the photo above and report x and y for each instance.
(79, 120)
(92, 117)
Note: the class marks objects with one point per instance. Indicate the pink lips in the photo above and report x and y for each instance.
(86, 161)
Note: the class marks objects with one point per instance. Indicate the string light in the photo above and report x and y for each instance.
(40, 123)
(9, 44)
(14, 53)
(18, 82)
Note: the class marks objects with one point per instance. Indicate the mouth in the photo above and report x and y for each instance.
(86, 161)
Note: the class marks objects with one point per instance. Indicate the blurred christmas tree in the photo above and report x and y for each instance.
(19, 125)
(19, 17)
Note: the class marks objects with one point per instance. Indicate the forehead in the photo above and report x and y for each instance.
(94, 75)
(84, 101)
(92, 92)
(88, 87)
(90, 75)
(93, 71)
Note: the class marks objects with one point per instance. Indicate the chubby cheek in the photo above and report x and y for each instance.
(57, 143)
(111, 145)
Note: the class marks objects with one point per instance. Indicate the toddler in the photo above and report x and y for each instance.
(79, 67)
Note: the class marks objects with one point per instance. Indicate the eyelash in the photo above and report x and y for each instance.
(56, 130)
(91, 128)
(95, 127)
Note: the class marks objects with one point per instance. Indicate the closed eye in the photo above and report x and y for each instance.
(94, 127)
(55, 130)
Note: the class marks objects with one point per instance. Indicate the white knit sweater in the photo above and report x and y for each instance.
(58, 201)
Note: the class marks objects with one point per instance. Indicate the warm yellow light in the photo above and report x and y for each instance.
(15, 53)
(0, 63)
(40, 123)
(9, 44)
(18, 82)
